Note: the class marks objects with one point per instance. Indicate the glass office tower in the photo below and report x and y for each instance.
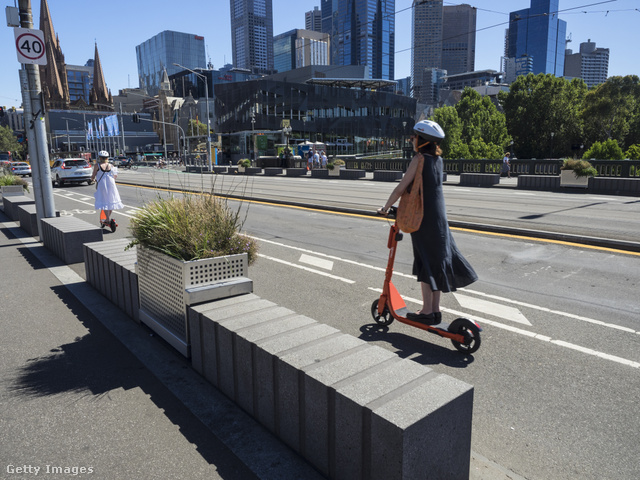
(252, 35)
(362, 33)
(537, 32)
(162, 51)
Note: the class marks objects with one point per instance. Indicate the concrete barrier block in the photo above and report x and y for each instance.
(272, 171)
(296, 172)
(387, 175)
(429, 417)
(352, 440)
(319, 399)
(479, 179)
(11, 203)
(65, 236)
(352, 174)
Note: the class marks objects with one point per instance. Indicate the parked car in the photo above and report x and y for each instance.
(70, 170)
(20, 168)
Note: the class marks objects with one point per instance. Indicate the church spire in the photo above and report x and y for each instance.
(99, 93)
(53, 76)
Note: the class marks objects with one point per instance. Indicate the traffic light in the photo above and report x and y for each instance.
(1, 111)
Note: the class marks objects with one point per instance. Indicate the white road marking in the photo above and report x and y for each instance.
(307, 269)
(555, 312)
(527, 333)
(491, 308)
(316, 262)
(80, 200)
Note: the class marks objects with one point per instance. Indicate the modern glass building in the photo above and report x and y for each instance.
(162, 51)
(300, 48)
(537, 32)
(80, 81)
(362, 33)
(458, 39)
(252, 35)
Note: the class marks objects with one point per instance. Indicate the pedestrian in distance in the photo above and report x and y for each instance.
(438, 264)
(324, 160)
(506, 165)
(106, 196)
(310, 160)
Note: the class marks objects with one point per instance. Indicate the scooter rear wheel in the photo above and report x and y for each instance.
(382, 319)
(470, 332)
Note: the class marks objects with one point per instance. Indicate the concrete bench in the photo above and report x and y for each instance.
(219, 169)
(272, 171)
(12, 190)
(352, 409)
(252, 171)
(352, 174)
(64, 236)
(296, 172)
(539, 182)
(111, 270)
(614, 185)
(197, 168)
(320, 173)
(11, 203)
(479, 179)
(29, 218)
(387, 175)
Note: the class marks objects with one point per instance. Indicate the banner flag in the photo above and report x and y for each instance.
(116, 125)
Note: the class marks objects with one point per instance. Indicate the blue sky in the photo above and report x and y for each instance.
(118, 26)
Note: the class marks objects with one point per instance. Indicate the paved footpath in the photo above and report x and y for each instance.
(87, 393)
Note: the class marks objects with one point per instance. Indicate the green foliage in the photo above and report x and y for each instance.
(474, 128)
(8, 179)
(9, 143)
(191, 227)
(244, 162)
(537, 106)
(633, 152)
(581, 168)
(611, 111)
(607, 150)
(196, 128)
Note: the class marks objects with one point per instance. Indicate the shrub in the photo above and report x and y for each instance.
(607, 150)
(633, 152)
(244, 162)
(191, 227)
(581, 168)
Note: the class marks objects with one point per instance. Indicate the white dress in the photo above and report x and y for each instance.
(107, 196)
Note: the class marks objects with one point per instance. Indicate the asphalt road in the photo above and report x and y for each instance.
(556, 377)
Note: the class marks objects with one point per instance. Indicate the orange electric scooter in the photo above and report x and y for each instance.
(463, 333)
(112, 224)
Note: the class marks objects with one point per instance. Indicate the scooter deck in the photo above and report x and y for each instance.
(402, 317)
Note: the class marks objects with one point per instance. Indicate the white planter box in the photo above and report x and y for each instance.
(168, 285)
(335, 172)
(568, 179)
(12, 190)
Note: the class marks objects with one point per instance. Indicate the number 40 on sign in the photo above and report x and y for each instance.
(30, 46)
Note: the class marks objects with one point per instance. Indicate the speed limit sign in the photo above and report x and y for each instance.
(30, 46)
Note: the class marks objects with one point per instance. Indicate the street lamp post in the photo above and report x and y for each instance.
(253, 136)
(551, 145)
(206, 94)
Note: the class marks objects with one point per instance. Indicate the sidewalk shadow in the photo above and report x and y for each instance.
(406, 346)
(96, 364)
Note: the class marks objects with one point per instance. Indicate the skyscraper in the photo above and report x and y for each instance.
(458, 39)
(362, 33)
(444, 42)
(313, 20)
(591, 64)
(252, 34)
(300, 48)
(537, 32)
(162, 51)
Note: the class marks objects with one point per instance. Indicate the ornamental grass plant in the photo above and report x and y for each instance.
(9, 179)
(192, 227)
(581, 168)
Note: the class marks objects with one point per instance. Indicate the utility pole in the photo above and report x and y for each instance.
(35, 124)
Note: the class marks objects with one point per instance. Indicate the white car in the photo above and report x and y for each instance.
(70, 170)
(20, 168)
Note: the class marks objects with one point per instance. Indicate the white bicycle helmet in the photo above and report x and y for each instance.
(103, 153)
(429, 131)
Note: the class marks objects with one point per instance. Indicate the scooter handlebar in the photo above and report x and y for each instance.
(391, 213)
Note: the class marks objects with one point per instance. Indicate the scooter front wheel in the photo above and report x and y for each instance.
(382, 319)
(471, 334)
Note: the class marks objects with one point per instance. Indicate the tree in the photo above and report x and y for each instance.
(607, 150)
(9, 142)
(538, 106)
(633, 152)
(611, 111)
(474, 128)
(196, 128)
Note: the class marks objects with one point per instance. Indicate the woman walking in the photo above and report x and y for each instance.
(438, 264)
(106, 197)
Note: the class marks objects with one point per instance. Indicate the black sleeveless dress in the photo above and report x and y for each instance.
(437, 260)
